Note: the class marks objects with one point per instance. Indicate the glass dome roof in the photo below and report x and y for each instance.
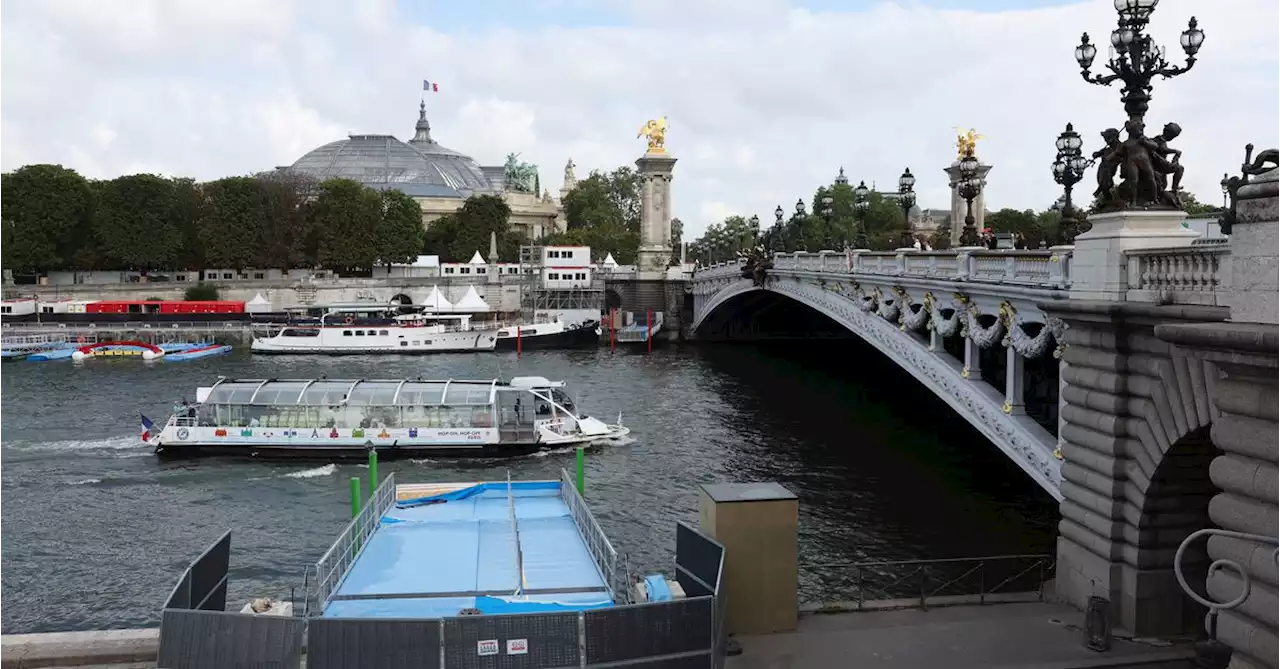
(420, 167)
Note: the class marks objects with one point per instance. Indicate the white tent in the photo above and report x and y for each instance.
(436, 301)
(258, 304)
(609, 261)
(476, 259)
(471, 301)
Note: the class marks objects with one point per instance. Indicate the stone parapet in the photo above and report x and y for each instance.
(76, 649)
(1251, 274)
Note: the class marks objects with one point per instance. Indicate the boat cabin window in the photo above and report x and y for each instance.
(346, 333)
(383, 333)
(300, 332)
(562, 399)
(359, 333)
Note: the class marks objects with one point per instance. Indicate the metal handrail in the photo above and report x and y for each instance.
(917, 581)
(598, 545)
(333, 566)
(1222, 564)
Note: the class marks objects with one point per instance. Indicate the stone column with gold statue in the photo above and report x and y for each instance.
(970, 181)
(654, 168)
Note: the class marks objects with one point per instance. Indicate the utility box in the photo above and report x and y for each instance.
(757, 525)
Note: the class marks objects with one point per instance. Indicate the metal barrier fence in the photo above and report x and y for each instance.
(203, 584)
(921, 583)
(221, 639)
(332, 567)
(700, 571)
(678, 633)
(602, 552)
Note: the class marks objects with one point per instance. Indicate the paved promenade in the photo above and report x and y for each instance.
(1002, 636)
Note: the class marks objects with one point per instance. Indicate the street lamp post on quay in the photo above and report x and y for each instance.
(907, 200)
(1135, 61)
(1068, 169)
(861, 203)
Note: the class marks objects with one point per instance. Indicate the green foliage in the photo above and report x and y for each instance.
(1194, 207)
(605, 200)
(399, 234)
(230, 222)
(347, 214)
(47, 216)
(202, 292)
(722, 241)
(136, 222)
(456, 237)
(1035, 227)
(603, 212)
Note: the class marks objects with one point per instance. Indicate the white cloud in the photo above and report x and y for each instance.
(764, 105)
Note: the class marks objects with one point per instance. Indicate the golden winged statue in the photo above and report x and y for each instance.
(967, 142)
(656, 132)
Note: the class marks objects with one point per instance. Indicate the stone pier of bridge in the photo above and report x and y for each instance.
(1165, 439)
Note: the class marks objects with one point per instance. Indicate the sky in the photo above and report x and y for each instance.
(765, 99)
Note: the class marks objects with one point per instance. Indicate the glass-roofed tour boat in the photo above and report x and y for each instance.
(336, 419)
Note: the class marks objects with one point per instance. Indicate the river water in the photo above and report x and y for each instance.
(96, 530)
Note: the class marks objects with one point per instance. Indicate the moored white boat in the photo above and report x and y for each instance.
(347, 332)
(339, 419)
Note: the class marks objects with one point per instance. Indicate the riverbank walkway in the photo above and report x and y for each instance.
(995, 636)
(1031, 635)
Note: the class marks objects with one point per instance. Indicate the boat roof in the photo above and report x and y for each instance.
(363, 392)
(501, 547)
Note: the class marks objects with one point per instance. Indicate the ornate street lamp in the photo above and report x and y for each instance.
(861, 203)
(907, 200)
(1136, 60)
(775, 235)
(969, 187)
(1068, 169)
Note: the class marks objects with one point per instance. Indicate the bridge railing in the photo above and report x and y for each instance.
(1027, 267)
(1182, 275)
(923, 583)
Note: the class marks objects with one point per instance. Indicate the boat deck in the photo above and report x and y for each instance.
(446, 547)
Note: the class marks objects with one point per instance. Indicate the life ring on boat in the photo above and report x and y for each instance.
(348, 320)
(81, 340)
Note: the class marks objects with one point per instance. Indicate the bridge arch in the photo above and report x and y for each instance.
(1024, 442)
(1137, 441)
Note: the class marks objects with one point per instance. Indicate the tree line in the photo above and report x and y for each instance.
(884, 222)
(52, 218)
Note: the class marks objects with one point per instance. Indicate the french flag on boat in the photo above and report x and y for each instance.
(146, 428)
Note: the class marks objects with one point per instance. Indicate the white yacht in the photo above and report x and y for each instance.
(357, 331)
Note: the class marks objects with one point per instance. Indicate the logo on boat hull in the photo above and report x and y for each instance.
(183, 433)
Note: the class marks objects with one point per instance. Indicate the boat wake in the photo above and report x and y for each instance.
(314, 472)
(85, 482)
(121, 443)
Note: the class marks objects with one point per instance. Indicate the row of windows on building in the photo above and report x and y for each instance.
(566, 276)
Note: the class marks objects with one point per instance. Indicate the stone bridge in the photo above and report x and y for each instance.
(1160, 418)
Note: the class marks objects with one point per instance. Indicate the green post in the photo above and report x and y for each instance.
(355, 496)
(581, 476)
(373, 472)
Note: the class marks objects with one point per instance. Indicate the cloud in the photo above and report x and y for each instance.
(764, 105)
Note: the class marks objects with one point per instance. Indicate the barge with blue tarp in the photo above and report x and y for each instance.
(447, 549)
(468, 575)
